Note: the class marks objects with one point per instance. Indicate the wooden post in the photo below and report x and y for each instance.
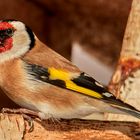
(125, 83)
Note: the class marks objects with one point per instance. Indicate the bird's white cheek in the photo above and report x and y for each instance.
(21, 40)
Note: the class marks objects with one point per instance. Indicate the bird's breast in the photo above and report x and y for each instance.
(14, 79)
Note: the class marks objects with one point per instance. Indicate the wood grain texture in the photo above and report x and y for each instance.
(11, 127)
(84, 130)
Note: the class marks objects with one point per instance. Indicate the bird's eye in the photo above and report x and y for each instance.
(9, 32)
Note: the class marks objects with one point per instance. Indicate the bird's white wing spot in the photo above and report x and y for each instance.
(98, 84)
(107, 94)
(85, 74)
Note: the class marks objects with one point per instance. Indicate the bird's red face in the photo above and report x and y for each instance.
(16, 39)
(6, 32)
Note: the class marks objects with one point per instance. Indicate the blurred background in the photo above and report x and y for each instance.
(89, 33)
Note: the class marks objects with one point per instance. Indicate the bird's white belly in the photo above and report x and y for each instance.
(48, 111)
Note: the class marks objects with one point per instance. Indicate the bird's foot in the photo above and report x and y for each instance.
(30, 122)
(19, 111)
(25, 113)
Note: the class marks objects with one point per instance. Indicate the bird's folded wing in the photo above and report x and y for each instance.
(78, 82)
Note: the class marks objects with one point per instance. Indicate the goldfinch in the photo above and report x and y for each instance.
(37, 78)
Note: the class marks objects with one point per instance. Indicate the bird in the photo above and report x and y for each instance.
(42, 81)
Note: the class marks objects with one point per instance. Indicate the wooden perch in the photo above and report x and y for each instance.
(125, 84)
(13, 127)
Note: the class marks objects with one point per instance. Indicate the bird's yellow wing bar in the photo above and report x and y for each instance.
(78, 82)
(68, 77)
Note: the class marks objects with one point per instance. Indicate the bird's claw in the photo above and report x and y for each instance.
(30, 122)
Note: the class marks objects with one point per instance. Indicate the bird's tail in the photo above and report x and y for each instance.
(124, 107)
